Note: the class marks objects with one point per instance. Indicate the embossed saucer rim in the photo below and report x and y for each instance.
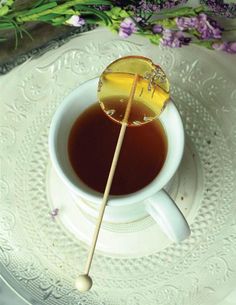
(207, 271)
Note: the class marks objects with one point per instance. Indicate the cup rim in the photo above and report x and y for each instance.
(95, 197)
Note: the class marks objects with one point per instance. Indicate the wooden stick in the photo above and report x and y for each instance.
(111, 174)
(81, 286)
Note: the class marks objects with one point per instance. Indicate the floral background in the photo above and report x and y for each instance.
(30, 27)
(171, 23)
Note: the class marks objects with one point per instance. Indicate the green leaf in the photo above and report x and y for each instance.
(46, 18)
(66, 12)
(199, 9)
(97, 2)
(89, 10)
(154, 38)
(58, 20)
(17, 28)
(10, 2)
(6, 25)
(115, 11)
(39, 9)
(16, 39)
(92, 20)
(124, 14)
(167, 23)
(38, 3)
(4, 10)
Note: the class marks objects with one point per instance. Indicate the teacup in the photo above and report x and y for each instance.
(150, 200)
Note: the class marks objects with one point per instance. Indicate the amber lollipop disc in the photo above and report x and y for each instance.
(151, 95)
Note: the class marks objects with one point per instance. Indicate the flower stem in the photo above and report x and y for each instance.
(59, 9)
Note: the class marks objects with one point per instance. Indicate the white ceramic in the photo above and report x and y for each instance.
(40, 257)
(151, 199)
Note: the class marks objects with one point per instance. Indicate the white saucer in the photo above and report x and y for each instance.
(41, 258)
(126, 238)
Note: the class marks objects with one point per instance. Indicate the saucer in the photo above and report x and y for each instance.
(40, 258)
(126, 238)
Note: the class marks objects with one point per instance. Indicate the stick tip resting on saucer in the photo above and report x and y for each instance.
(83, 282)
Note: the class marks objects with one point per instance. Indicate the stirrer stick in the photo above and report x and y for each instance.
(84, 281)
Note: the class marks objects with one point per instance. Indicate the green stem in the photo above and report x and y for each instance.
(59, 9)
(205, 43)
(136, 23)
(16, 38)
(6, 26)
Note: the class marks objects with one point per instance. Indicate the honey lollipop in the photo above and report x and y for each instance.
(150, 91)
(151, 95)
(84, 281)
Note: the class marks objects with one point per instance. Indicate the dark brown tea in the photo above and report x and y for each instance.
(91, 147)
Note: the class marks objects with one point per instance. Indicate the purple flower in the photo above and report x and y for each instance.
(229, 47)
(148, 7)
(172, 3)
(155, 6)
(76, 21)
(54, 213)
(174, 39)
(207, 28)
(157, 28)
(185, 23)
(127, 27)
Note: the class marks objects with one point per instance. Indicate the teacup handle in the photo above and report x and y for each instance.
(169, 217)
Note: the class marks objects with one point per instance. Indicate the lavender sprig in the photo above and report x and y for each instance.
(205, 26)
(229, 47)
(76, 21)
(174, 39)
(153, 6)
(127, 27)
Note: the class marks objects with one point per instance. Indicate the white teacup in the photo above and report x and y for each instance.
(151, 199)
